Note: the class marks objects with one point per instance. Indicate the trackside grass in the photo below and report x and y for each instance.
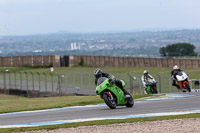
(10, 103)
(193, 73)
(100, 122)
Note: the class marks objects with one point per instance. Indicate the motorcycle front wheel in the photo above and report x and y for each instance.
(130, 102)
(110, 102)
(187, 87)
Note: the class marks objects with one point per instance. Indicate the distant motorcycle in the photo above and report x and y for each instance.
(113, 96)
(183, 82)
(151, 86)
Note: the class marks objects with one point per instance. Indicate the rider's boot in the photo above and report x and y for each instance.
(126, 94)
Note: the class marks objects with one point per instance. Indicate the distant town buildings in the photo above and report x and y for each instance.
(75, 46)
(37, 51)
(52, 50)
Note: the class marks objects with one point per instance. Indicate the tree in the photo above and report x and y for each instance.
(178, 49)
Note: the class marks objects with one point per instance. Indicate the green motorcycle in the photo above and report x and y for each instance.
(112, 95)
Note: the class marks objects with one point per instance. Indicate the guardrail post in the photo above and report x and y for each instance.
(159, 79)
(33, 81)
(39, 81)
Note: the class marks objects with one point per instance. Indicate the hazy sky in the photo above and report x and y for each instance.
(22, 17)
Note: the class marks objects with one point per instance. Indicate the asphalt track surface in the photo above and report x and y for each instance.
(190, 101)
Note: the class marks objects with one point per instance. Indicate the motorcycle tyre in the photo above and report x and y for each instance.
(130, 102)
(154, 91)
(108, 102)
(187, 87)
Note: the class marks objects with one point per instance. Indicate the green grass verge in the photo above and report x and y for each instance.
(11, 103)
(15, 69)
(101, 122)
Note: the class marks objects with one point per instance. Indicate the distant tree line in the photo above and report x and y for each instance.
(178, 49)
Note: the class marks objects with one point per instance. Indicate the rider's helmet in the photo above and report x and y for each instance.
(98, 73)
(175, 67)
(145, 73)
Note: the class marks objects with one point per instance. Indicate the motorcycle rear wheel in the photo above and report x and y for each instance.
(154, 90)
(109, 102)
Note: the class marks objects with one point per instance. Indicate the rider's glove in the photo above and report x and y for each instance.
(111, 81)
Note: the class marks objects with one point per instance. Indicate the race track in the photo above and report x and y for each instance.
(171, 103)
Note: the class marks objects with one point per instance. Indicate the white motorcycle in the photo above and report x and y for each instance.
(183, 81)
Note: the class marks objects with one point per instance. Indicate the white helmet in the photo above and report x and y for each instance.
(145, 72)
(175, 67)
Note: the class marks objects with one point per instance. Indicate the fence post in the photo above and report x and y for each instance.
(15, 81)
(120, 76)
(20, 80)
(131, 83)
(170, 87)
(159, 78)
(58, 88)
(9, 80)
(74, 80)
(26, 80)
(52, 82)
(65, 80)
(33, 80)
(45, 76)
(90, 83)
(140, 84)
(39, 81)
(4, 79)
(81, 80)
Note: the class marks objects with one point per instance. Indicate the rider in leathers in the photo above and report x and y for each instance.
(99, 73)
(145, 78)
(174, 72)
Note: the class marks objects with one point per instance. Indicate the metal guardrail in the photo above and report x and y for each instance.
(195, 84)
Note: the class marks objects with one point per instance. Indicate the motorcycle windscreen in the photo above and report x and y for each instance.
(181, 76)
(100, 80)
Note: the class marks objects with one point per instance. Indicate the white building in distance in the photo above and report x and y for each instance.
(75, 46)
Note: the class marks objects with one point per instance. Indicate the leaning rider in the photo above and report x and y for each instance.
(99, 73)
(145, 78)
(174, 72)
